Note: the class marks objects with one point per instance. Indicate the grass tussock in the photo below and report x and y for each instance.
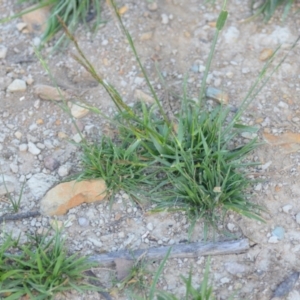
(40, 268)
(72, 12)
(189, 163)
(267, 8)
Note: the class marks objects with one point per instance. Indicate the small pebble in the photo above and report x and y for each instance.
(224, 280)
(33, 149)
(231, 227)
(265, 54)
(14, 168)
(195, 68)
(22, 178)
(3, 52)
(23, 147)
(278, 232)
(77, 138)
(150, 226)
(273, 240)
(83, 222)
(95, 242)
(245, 70)
(51, 163)
(17, 85)
(217, 95)
(283, 105)
(146, 36)
(18, 135)
(258, 187)
(152, 6)
(21, 26)
(287, 208)
(164, 19)
(298, 218)
(64, 170)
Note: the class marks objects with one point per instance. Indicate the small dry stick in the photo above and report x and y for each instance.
(13, 217)
(178, 251)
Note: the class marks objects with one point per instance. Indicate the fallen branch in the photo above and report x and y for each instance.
(14, 217)
(178, 251)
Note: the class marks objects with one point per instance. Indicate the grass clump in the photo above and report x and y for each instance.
(203, 292)
(192, 159)
(268, 8)
(72, 12)
(137, 280)
(120, 165)
(39, 268)
(14, 201)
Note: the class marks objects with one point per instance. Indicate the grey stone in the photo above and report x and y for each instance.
(51, 163)
(4, 82)
(164, 19)
(77, 138)
(3, 52)
(278, 232)
(298, 218)
(152, 6)
(23, 147)
(95, 242)
(273, 240)
(33, 149)
(64, 170)
(195, 68)
(18, 135)
(235, 268)
(17, 85)
(150, 226)
(287, 208)
(78, 111)
(48, 144)
(83, 222)
(6, 188)
(14, 167)
(40, 183)
(231, 35)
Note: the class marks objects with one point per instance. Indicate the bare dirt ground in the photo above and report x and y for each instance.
(177, 36)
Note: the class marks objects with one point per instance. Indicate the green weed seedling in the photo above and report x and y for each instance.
(203, 292)
(15, 202)
(268, 7)
(72, 12)
(40, 268)
(137, 280)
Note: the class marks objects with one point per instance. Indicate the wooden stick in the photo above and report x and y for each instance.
(180, 251)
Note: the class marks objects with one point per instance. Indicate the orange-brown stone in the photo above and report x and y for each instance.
(285, 138)
(67, 195)
(36, 20)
